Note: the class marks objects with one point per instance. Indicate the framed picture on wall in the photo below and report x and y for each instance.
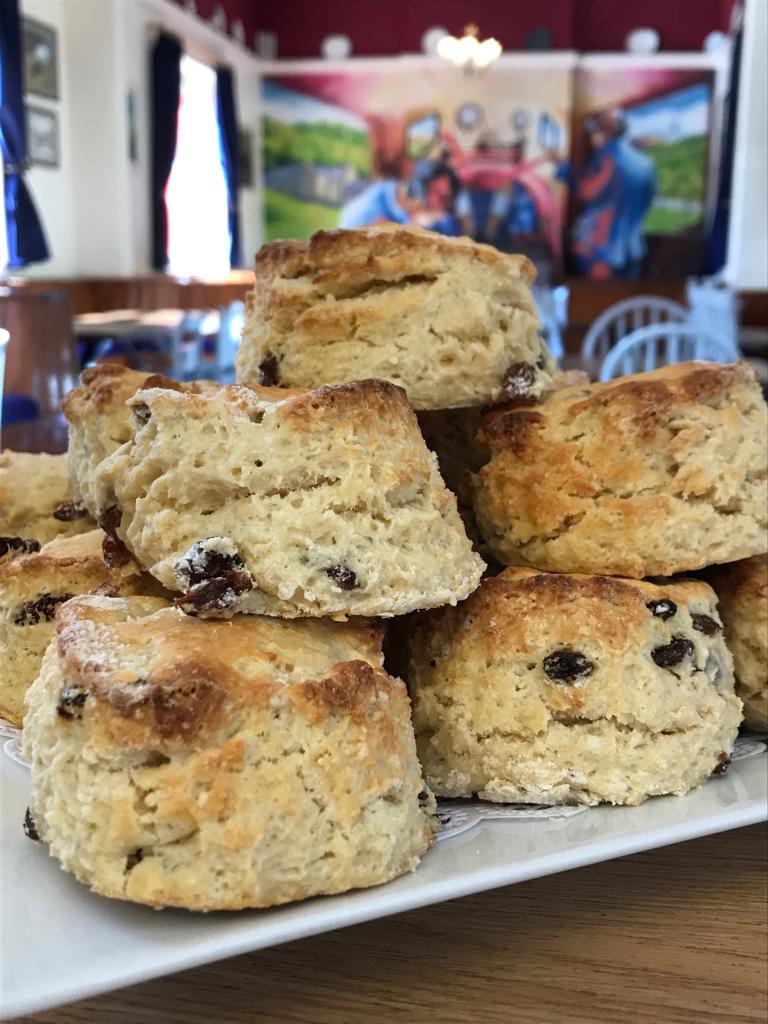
(42, 136)
(41, 58)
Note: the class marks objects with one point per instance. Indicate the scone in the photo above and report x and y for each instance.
(36, 503)
(451, 321)
(323, 502)
(100, 421)
(742, 589)
(653, 474)
(552, 689)
(31, 590)
(220, 765)
(455, 436)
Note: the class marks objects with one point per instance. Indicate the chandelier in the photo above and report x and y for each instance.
(469, 52)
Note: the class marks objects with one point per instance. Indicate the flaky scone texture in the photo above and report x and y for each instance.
(100, 421)
(652, 474)
(324, 502)
(451, 321)
(219, 765)
(37, 503)
(743, 592)
(552, 689)
(33, 587)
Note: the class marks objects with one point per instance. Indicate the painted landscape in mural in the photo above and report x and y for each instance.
(600, 170)
(456, 154)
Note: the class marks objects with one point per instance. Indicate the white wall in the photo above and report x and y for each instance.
(747, 266)
(53, 187)
(96, 206)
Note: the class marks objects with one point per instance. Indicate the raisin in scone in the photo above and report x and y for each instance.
(323, 502)
(33, 587)
(653, 474)
(742, 589)
(37, 503)
(219, 765)
(551, 689)
(451, 321)
(100, 421)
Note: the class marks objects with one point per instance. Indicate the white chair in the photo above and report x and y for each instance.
(662, 344)
(552, 307)
(629, 315)
(228, 341)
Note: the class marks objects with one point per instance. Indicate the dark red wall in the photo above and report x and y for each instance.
(248, 11)
(396, 26)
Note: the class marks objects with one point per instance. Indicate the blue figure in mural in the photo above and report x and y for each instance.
(473, 204)
(513, 208)
(385, 199)
(435, 184)
(616, 188)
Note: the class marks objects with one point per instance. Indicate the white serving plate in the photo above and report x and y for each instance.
(60, 942)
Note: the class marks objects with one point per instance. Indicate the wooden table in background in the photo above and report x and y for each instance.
(674, 936)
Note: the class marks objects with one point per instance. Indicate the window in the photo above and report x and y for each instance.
(196, 195)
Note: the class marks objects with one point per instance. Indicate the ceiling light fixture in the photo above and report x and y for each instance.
(469, 52)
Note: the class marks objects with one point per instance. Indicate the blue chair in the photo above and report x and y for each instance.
(18, 409)
(662, 344)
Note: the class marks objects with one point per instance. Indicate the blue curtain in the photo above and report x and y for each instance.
(717, 243)
(165, 80)
(26, 238)
(225, 101)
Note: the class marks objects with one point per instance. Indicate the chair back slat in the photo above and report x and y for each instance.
(662, 344)
(614, 323)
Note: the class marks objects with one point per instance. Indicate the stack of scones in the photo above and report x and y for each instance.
(199, 663)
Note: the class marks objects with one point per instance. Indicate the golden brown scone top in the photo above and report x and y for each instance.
(160, 675)
(522, 608)
(110, 385)
(368, 403)
(355, 256)
(59, 558)
(642, 400)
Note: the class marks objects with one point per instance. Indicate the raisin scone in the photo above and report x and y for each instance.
(37, 503)
(647, 475)
(219, 765)
(742, 589)
(451, 321)
(100, 421)
(552, 689)
(31, 590)
(266, 501)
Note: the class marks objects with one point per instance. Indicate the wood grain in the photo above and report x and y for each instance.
(675, 936)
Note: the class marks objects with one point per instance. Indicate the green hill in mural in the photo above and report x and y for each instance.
(681, 184)
(320, 143)
(680, 167)
(288, 217)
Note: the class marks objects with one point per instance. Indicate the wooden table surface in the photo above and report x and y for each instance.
(674, 936)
